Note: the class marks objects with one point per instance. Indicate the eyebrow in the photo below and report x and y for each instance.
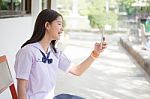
(59, 21)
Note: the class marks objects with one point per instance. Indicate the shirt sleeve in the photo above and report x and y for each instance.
(23, 64)
(64, 62)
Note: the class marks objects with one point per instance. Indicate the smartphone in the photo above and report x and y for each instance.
(102, 36)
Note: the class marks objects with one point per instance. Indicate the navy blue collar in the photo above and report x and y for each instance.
(46, 58)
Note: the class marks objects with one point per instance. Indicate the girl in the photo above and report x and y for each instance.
(38, 60)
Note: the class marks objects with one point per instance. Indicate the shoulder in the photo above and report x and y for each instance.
(61, 54)
(26, 50)
(57, 53)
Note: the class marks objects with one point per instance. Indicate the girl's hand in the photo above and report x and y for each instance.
(99, 47)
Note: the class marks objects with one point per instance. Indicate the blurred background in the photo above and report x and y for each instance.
(84, 21)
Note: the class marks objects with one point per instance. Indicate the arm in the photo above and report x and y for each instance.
(81, 68)
(21, 88)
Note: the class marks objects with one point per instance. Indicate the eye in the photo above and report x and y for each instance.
(60, 24)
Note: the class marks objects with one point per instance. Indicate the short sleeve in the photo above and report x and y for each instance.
(23, 63)
(64, 62)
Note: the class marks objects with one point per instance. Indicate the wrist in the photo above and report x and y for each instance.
(94, 55)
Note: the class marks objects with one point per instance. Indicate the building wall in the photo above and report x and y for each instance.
(13, 33)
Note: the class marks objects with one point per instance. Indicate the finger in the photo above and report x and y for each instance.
(101, 50)
(104, 43)
(97, 44)
(103, 47)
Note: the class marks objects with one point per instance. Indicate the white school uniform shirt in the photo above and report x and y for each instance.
(41, 76)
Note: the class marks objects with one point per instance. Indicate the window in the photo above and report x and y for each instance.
(46, 4)
(14, 8)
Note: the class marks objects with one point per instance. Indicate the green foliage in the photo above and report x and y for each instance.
(83, 8)
(95, 10)
(111, 19)
(97, 21)
(98, 16)
(127, 4)
(4, 6)
(0, 2)
(131, 10)
(96, 13)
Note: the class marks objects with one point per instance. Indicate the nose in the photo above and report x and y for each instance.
(62, 29)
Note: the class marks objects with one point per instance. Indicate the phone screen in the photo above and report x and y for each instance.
(102, 36)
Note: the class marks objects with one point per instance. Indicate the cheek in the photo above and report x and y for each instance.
(55, 27)
(55, 31)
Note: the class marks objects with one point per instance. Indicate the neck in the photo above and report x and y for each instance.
(45, 42)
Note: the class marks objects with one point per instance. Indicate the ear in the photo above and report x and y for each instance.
(47, 25)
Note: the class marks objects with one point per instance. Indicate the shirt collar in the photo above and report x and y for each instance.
(38, 46)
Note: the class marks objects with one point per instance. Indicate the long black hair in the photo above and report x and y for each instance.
(45, 15)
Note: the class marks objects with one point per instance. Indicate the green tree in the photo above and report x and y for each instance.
(0, 4)
(127, 4)
(83, 7)
(98, 16)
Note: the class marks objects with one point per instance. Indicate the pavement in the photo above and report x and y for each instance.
(114, 75)
(138, 53)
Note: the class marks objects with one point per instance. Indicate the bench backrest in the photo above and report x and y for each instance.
(6, 80)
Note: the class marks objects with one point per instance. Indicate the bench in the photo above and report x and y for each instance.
(6, 80)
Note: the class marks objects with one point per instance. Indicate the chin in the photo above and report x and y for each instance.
(58, 38)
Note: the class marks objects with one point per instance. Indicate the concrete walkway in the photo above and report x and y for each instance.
(138, 53)
(115, 75)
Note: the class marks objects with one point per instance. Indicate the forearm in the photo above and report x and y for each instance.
(81, 68)
(21, 89)
(22, 94)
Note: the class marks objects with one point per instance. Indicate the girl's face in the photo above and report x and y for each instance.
(55, 29)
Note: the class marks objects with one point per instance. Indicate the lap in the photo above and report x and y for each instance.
(67, 96)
